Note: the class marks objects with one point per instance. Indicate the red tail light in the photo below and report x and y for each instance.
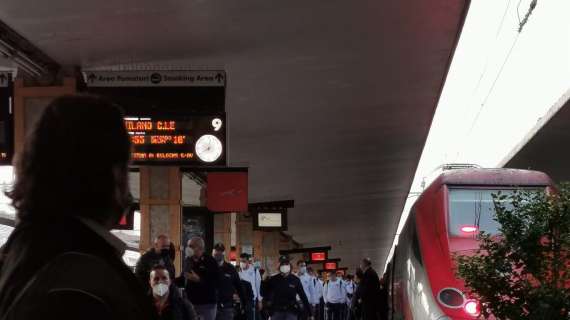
(472, 308)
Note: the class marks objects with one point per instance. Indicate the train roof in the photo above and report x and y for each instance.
(493, 177)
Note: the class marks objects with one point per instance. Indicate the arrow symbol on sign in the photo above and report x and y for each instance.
(219, 77)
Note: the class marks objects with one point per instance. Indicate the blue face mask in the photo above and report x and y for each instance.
(257, 265)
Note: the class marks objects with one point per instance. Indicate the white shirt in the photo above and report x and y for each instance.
(318, 289)
(349, 286)
(308, 287)
(335, 292)
(252, 276)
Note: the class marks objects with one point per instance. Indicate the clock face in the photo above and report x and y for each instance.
(209, 148)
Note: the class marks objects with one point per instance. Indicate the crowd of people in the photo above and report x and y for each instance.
(62, 262)
(211, 288)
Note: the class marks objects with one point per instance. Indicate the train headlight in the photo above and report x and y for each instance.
(451, 298)
(472, 308)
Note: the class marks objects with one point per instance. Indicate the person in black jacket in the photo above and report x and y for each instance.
(168, 302)
(228, 284)
(61, 262)
(369, 291)
(201, 273)
(158, 255)
(282, 292)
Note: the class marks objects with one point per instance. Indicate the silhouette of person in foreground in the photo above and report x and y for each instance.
(61, 261)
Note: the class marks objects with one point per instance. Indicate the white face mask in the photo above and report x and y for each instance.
(303, 270)
(160, 289)
(243, 265)
(285, 268)
(189, 251)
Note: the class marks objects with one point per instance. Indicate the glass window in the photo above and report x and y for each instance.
(472, 211)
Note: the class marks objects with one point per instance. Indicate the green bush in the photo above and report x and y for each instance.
(524, 273)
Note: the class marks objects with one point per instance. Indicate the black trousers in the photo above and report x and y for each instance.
(335, 311)
(369, 312)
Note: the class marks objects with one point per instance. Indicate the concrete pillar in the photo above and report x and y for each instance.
(29, 102)
(160, 204)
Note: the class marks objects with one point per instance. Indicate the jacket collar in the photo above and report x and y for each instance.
(105, 234)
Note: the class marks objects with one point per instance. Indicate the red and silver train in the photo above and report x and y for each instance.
(445, 220)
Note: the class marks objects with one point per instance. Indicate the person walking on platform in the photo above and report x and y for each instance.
(369, 291)
(350, 288)
(356, 305)
(168, 301)
(335, 297)
(159, 254)
(61, 262)
(319, 307)
(251, 274)
(283, 290)
(228, 284)
(201, 275)
(308, 286)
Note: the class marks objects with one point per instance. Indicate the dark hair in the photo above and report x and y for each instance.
(219, 247)
(367, 262)
(301, 261)
(74, 163)
(158, 267)
(245, 256)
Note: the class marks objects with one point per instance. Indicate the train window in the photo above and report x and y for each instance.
(472, 210)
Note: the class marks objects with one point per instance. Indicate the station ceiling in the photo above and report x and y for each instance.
(544, 147)
(329, 102)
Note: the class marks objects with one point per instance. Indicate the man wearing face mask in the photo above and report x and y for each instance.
(229, 284)
(283, 290)
(158, 255)
(201, 273)
(251, 274)
(308, 284)
(168, 302)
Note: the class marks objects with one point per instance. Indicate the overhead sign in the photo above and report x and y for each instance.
(155, 78)
(270, 220)
(318, 256)
(227, 191)
(329, 266)
(6, 119)
(193, 140)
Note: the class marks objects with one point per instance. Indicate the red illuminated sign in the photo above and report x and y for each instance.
(331, 266)
(318, 256)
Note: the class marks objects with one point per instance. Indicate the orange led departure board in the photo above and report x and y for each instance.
(195, 140)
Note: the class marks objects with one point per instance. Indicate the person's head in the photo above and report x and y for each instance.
(311, 271)
(302, 266)
(358, 275)
(365, 264)
(218, 253)
(244, 261)
(332, 276)
(74, 162)
(284, 265)
(159, 281)
(196, 247)
(162, 244)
